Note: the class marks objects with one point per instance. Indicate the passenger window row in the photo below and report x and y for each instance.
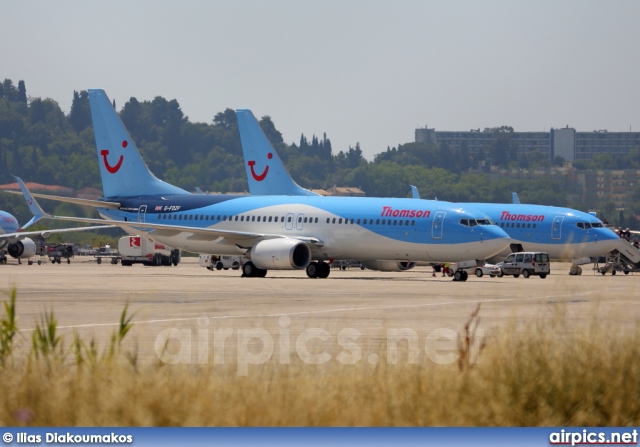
(398, 222)
(516, 225)
(301, 219)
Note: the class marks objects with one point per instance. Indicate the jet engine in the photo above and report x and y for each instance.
(22, 249)
(389, 266)
(280, 254)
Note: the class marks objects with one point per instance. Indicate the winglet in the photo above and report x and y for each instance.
(414, 192)
(514, 198)
(34, 207)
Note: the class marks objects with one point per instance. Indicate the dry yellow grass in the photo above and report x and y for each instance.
(547, 376)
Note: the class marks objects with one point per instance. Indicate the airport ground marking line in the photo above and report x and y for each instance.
(310, 312)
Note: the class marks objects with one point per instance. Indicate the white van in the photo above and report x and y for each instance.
(526, 264)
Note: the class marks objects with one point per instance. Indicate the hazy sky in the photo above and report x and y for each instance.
(362, 71)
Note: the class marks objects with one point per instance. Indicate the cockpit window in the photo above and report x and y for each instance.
(587, 225)
(474, 222)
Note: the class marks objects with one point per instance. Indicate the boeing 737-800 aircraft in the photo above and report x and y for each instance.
(276, 231)
(562, 232)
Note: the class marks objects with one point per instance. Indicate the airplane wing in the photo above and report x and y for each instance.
(75, 200)
(240, 238)
(46, 233)
(38, 214)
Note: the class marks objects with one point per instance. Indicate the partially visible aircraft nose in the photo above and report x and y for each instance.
(605, 241)
(494, 240)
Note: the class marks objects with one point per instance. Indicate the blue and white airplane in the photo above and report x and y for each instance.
(278, 231)
(564, 233)
(16, 243)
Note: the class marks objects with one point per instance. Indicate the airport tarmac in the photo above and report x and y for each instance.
(189, 300)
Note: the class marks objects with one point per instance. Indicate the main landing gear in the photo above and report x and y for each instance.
(314, 270)
(318, 270)
(249, 270)
(460, 275)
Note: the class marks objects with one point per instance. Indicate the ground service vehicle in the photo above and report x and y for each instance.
(221, 262)
(486, 269)
(140, 250)
(526, 264)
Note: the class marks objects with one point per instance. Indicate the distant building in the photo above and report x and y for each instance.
(615, 186)
(564, 142)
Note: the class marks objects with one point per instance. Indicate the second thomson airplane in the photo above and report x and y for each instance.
(277, 232)
(564, 233)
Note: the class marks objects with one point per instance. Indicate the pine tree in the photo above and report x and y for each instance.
(80, 114)
(22, 92)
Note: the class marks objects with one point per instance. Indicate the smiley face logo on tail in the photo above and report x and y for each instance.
(112, 169)
(259, 177)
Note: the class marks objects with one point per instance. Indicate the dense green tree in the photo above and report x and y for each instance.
(22, 93)
(80, 114)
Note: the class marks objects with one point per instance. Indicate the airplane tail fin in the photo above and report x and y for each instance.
(34, 207)
(514, 198)
(266, 174)
(122, 169)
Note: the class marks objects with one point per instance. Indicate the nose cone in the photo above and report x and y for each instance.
(494, 240)
(605, 241)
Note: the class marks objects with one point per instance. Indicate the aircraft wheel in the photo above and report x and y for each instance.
(579, 272)
(324, 270)
(479, 273)
(525, 273)
(312, 270)
(249, 270)
(465, 275)
(573, 270)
